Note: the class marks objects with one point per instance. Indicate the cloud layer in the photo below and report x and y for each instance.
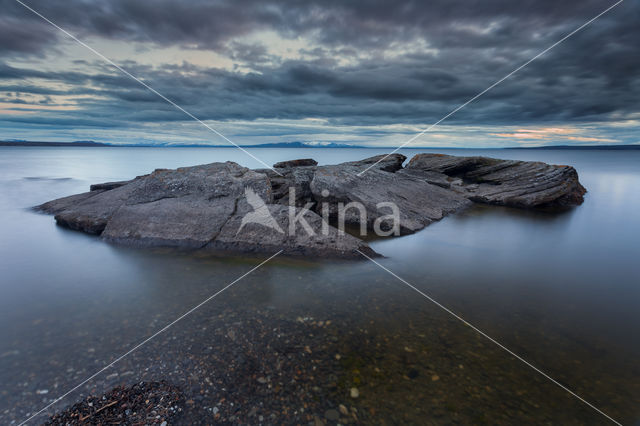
(357, 65)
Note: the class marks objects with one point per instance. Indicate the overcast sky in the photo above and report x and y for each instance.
(359, 72)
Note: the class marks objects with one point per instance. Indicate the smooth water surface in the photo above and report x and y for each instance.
(561, 290)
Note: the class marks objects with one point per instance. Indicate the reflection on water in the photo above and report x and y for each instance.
(559, 289)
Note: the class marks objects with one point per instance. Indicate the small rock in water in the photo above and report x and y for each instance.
(435, 377)
(262, 380)
(354, 392)
(343, 410)
(332, 414)
(42, 391)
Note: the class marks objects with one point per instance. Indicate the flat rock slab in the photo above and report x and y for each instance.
(108, 185)
(296, 163)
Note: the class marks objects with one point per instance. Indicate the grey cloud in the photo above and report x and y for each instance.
(401, 92)
(252, 53)
(592, 76)
(357, 23)
(30, 37)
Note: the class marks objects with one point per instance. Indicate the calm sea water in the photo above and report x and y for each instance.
(562, 290)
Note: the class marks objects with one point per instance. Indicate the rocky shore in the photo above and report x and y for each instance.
(206, 207)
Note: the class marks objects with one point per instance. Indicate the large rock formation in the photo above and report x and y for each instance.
(226, 207)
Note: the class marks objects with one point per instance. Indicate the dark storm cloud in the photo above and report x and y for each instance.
(404, 92)
(165, 22)
(26, 37)
(334, 22)
(592, 76)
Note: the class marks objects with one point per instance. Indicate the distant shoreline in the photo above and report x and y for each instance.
(296, 145)
(35, 143)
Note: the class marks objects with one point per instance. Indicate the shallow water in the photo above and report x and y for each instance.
(561, 290)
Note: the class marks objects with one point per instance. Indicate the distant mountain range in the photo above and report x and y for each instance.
(302, 145)
(38, 143)
(164, 145)
(582, 147)
(295, 145)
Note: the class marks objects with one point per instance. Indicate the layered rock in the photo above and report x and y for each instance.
(523, 184)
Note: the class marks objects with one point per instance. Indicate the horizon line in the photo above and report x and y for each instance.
(298, 145)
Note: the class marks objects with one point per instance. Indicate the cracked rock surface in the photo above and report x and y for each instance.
(205, 207)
